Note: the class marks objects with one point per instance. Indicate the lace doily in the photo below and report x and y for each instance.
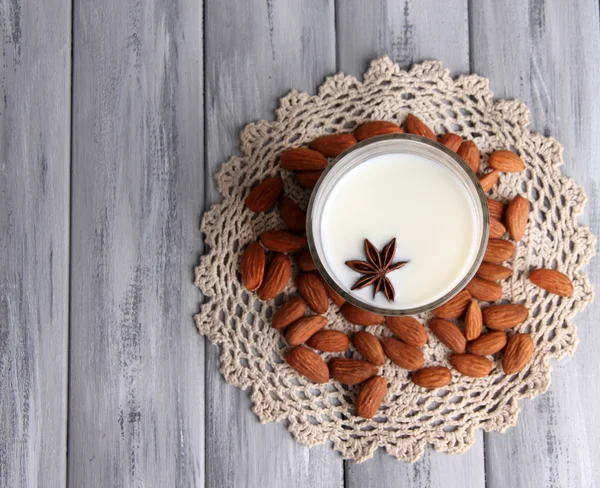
(410, 418)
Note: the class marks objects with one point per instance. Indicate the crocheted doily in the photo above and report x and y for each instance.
(252, 352)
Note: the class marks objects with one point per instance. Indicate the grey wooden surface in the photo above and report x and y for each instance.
(114, 116)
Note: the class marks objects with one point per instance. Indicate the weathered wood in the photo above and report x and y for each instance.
(547, 54)
(255, 53)
(136, 361)
(35, 66)
(408, 32)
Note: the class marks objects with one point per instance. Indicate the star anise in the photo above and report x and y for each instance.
(376, 267)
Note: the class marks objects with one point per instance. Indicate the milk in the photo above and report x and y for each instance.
(418, 201)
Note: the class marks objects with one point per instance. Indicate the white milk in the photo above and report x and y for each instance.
(417, 201)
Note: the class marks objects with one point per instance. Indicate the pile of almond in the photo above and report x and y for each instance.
(471, 333)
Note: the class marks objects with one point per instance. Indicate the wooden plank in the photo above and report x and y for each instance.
(35, 67)
(255, 53)
(136, 372)
(408, 32)
(551, 64)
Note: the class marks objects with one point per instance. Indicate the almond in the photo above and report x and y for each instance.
(369, 346)
(312, 290)
(351, 371)
(370, 396)
(305, 262)
(276, 277)
(253, 266)
(517, 214)
(470, 153)
(289, 313)
(308, 363)
(518, 353)
(493, 272)
(333, 145)
(333, 295)
(497, 229)
(487, 344)
(376, 128)
(304, 328)
(408, 329)
(487, 291)
(449, 334)
(414, 125)
(502, 317)
(405, 356)
(506, 161)
(265, 195)
(454, 307)
(432, 377)
(308, 179)
(498, 251)
(496, 209)
(488, 180)
(473, 321)
(359, 316)
(302, 159)
(553, 281)
(471, 365)
(329, 341)
(451, 141)
(283, 241)
(292, 216)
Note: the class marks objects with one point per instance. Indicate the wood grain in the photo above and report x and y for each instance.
(35, 66)
(136, 392)
(551, 64)
(278, 45)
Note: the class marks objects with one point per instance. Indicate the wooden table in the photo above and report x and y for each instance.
(114, 116)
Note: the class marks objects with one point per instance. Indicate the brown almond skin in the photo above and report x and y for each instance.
(496, 209)
(334, 144)
(308, 363)
(470, 153)
(415, 125)
(451, 141)
(253, 266)
(370, 396)
(493, 272)
(376, 128)
(518, 353)
(305, 262)
(351, 371)
(432, 377)
(302, 159)
(473, 321)
(484, 290)
(471, 365)
(409, 329)
(333, 295)
(283, 241)
(503, 317)
(488, 180)
(517, 215)
(454, 307)
(506, 161)
(276, 277)
(288, 313)
(293, 217)
(553, 281)
(304, 328)
(448, 334)
(329, 341)
(308, 179)
(498, 251)
(488, 343)
(405, 356)
(312, 290)
(369, 346)
(497, 229)
(359, 316)
(264, 196)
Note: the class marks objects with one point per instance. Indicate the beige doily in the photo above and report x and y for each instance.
(410, 417)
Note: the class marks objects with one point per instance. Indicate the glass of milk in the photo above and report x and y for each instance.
(405, 187)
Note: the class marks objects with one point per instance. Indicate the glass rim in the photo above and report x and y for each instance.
(481, 200)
